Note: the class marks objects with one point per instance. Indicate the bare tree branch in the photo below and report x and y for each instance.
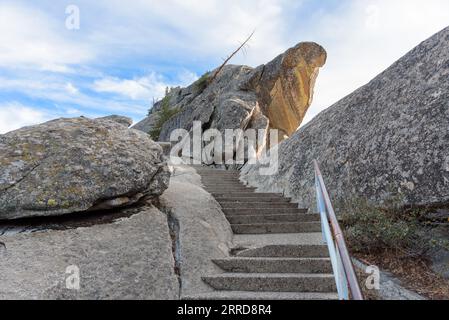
(242, 46)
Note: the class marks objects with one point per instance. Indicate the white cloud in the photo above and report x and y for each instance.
(58, 93)
(191, 30)
(143, 88)
(186, 78)
(363, 38)
(71, 89)
(32, 39)
(14, 116)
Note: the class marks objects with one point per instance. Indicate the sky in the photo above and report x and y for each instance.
(119, 56)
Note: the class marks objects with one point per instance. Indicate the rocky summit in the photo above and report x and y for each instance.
(276, 95)
(75, 165)
(111, 219)
(387, 140)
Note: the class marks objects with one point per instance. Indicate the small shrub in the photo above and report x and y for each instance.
(163, 115)
(202, 83)
(369, 229)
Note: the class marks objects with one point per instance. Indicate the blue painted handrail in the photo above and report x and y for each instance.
(345, 276)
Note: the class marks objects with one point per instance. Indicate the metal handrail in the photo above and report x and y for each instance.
(345, 276)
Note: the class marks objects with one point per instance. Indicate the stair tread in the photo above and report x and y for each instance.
(217, 189)
(286, 250)
(257, 241)
(256, 195)
(257, 202)
(299, 214)
(270, 275)
(259, 211)
(272, 259)
(283, 227)
(262, 295)
(258, 206)
(269, 218)
(259, 265)
(277, 223)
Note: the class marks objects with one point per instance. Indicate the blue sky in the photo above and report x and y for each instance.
(124, 54)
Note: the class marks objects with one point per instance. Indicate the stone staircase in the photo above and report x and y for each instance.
(279, 253)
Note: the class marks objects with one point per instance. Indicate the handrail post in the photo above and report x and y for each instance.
(342, 266)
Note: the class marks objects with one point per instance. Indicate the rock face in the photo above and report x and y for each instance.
(284, 87)
(119, 119)
(146, 124)
(73, 165)
(128, 259)
(141, 253)
(275, 95)
(389, 139)
(202, 231)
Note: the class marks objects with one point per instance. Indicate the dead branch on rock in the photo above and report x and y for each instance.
(242, 46)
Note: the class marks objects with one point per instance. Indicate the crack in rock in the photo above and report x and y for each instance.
(174, 229)
(2, 248)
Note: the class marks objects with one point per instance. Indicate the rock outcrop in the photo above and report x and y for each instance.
(119, 119)
(276, 95)
(130, 258)
(387, 140)
(139, 253)
(200, 229)
(74, 165)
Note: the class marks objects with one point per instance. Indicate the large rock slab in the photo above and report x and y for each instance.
(74, 165)
(199, 228)
(241, 97)
(128, 259)
(387, 140)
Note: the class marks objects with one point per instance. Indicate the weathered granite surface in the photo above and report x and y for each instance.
(119, 119)
(387, 140)
(128, 259)
(141, 253)
(74, 165)
(202, 231)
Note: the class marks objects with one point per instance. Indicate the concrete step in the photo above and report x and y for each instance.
(261, 228)
(215, 170)
(246, 195)
(227, 177)
(262, 211)
(234, 177)
(267, 296)
(229, 190)
(219, 174)
(221, 180)
(275, 265)
(261, 198)
(227, 186)
(286, 251)
(270, 218)
(209, 169)
(223, 183)
(257, 205)
(274, 282)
